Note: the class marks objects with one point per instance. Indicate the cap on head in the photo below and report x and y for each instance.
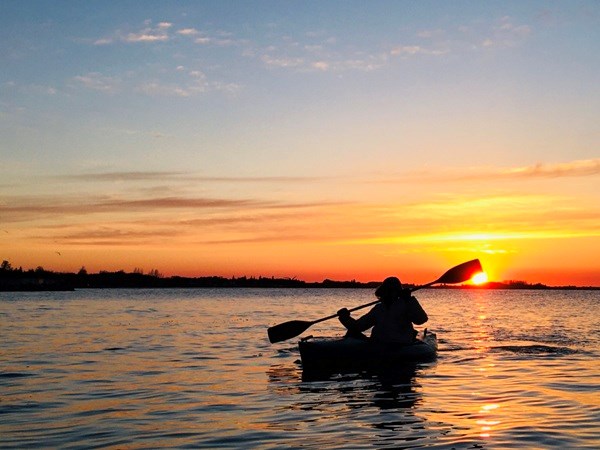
(391, 287)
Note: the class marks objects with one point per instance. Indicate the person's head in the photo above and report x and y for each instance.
(390, 289)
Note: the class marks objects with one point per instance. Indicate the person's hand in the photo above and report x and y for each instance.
(343, 313)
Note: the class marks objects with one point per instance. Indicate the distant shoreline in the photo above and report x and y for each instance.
(19, 280)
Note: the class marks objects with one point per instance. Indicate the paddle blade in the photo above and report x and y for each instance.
(462, 272)
(287, 330)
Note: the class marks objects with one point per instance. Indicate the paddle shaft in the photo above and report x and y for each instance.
(294, 328)
(356, 308)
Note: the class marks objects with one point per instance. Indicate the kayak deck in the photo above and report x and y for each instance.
(348, 352)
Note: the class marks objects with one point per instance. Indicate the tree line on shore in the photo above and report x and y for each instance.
(40, 279)
(18, 279)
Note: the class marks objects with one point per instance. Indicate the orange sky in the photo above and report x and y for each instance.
(527, 228)
(346, 142)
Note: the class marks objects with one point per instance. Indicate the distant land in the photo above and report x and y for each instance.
(39, 279)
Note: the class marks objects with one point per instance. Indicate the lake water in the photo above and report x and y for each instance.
(193, 368)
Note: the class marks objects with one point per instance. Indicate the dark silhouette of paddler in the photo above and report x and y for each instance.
(392, 320)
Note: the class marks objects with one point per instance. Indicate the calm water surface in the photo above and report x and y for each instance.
(193, 368)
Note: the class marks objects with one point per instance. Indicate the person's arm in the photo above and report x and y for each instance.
(355, 325)
(416, 313)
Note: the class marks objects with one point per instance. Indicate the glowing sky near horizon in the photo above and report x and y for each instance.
(345, 140)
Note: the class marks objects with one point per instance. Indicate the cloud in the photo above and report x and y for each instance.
(324, 63)
(187, 31)
(286, 62)
(482, 223)
(122, 176)
(156, 88)
(156, 220)
(196, 83)
(429, 34)
(17, 209)
(407, 49)
(148, 34)
(35, 89)
(182, 176)
(250, 223)
(165, 31)
(104, 41)
(158, 33)
(34, 208)
(503, 34)
(98, 82)
(414, 50)
(577, 168)
(182, 82)
(478, 237)
(220, 42)
(124, 234)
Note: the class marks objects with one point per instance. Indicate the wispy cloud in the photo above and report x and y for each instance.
(33, 208)
(484, 224)
(182, 176)
(98, 82)
(121, 176)
(165, 31)
(188, 32)
(327, 54)
(16, 209)
(322, 51)
(577, 168)
(475, 238)
(100, 221)
(34, 89)
(213, 226)
(504, 33)
(158, 88)
(188, 83)
(111, 235)
(149, 33)
(415, 50)
(219, 41)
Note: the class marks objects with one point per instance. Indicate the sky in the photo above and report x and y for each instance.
(307, 139)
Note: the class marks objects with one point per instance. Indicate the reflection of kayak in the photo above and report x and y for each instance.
(327, 353)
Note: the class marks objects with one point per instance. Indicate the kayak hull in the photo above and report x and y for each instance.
(343, 353)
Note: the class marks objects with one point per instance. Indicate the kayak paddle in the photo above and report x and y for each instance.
(293, 328)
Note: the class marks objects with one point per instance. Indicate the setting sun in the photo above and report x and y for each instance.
(480, 278)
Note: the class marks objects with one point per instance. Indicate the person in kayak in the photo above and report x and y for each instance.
(392, 319)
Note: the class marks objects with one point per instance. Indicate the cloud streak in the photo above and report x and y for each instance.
(148, 34)
(570, 169)
(31, 208)
(193, 83)
(135, 176)
(578, 168)
(17, 209)
(97, 82)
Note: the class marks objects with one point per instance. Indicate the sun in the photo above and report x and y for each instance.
(479, 278)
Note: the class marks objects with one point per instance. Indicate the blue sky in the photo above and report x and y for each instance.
(262, 74)
(292, 103)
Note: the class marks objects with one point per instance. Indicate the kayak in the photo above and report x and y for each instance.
(349, 352)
